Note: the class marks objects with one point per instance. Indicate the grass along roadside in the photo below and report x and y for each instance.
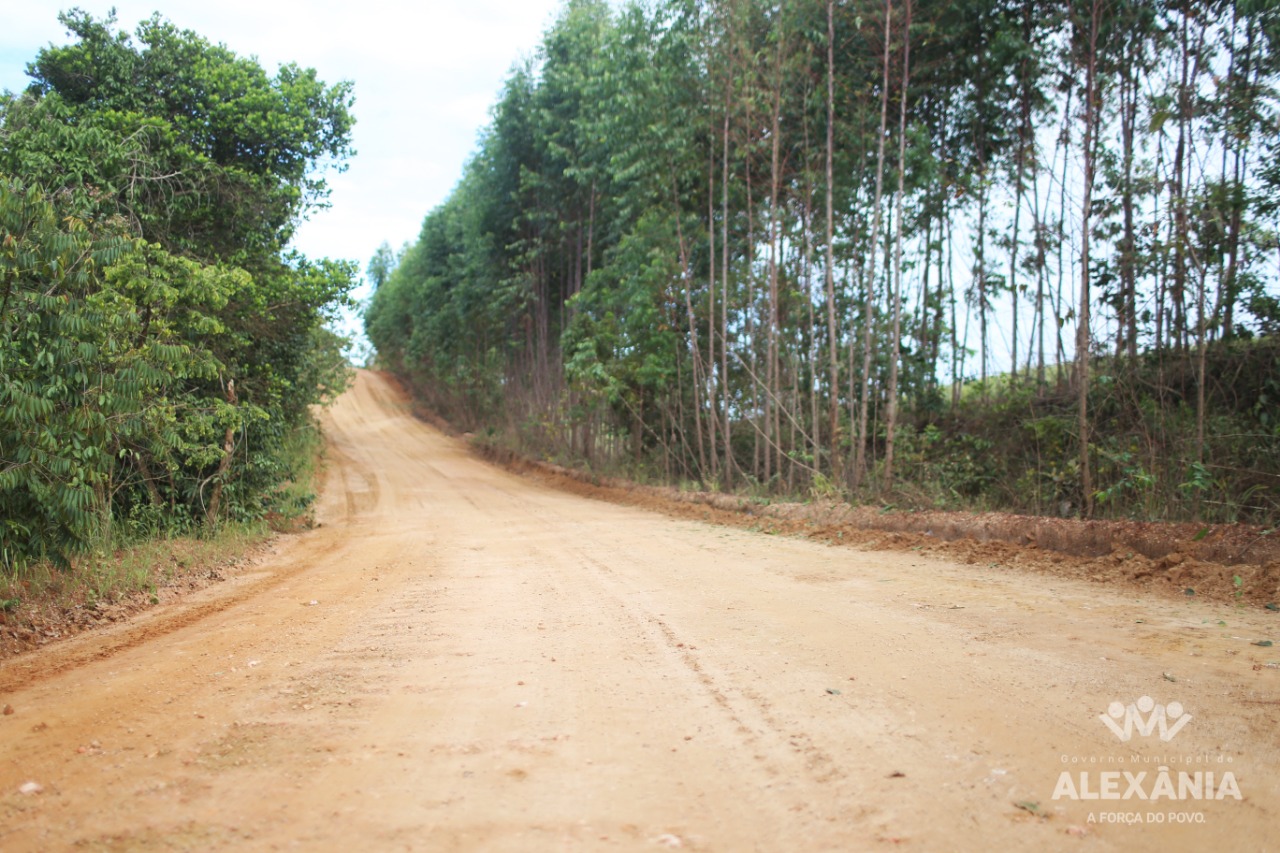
(41, 603)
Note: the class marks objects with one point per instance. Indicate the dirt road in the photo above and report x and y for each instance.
(461, 659)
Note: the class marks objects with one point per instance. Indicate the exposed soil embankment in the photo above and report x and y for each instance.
(55, 613)
(1234, 562)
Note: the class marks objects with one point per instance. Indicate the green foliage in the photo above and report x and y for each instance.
(635, 268)
(1016, 451)
(201, 148)
(621, 339)
(149, 314)
(69, 376)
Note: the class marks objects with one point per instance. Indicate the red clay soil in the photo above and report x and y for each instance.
(458, 658)
(1224, 562)
(42, 617)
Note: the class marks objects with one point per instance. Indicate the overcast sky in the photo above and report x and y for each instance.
(425, 75)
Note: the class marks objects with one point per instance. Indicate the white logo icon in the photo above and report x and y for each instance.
(1146, 717)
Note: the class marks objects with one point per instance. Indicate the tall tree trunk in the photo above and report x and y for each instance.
(1161, 268)
(1202, 379)
(939, 299)
(1179, 190)
(1082, 328)
(694, 348)
(591, 228)
(1019, 190)
(773, 380)
(224, 464)
(751, 302)
(980, 270)
(924, 296)
(1058, 312)
(957, 350)
(711, 308)
(1042, 272)
(1026, 138)
(811, 348)
(1128, 337)
(895, 344)
(1230, 285)
(833, 366)
(1013, 273)
(724, 298)
(860, 460)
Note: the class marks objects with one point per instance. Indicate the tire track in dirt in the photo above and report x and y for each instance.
(760, 731)
(492, 665)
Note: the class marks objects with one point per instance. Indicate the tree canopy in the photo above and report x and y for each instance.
(765, 243)
(159, 340)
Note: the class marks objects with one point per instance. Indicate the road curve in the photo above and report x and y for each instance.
(463, 659)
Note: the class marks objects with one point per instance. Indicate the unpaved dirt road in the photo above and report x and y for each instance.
(461, 659)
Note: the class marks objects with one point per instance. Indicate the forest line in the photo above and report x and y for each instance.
(777, 245)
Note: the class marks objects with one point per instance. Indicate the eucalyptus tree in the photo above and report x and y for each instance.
(661, 186)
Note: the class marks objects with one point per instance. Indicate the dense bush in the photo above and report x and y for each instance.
(1012, 448)
(158, 341)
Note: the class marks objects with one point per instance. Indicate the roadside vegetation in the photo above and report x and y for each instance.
(161, 345)
(992, 254)
(108, 581)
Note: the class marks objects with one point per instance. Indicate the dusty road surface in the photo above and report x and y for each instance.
(460, 659)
